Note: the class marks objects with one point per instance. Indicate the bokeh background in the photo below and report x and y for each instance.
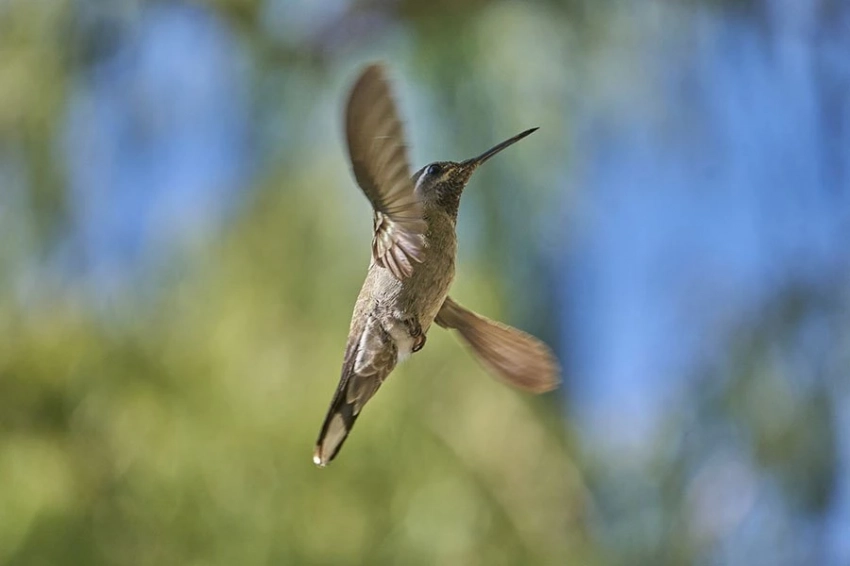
(181, 244)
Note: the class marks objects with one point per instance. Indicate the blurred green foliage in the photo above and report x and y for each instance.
(183, 433)
(177, 427)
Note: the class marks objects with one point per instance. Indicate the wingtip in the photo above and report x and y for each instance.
(546, 386)
(552, 379)
(376, 68)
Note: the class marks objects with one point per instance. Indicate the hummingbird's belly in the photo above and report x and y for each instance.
(403, 340)
(431, 287)
(413, 303)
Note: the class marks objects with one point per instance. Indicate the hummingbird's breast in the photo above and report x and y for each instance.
(429, 285)
(419, 297)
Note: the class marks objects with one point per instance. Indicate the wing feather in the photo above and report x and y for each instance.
(379, 160)
(510, 354)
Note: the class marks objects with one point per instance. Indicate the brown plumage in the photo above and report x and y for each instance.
(379, 162)
(412, 267)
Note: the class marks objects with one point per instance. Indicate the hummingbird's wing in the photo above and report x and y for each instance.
(369, 359)
(379, 160)
(510, 354)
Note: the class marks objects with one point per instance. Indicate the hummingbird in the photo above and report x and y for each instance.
(412, 267)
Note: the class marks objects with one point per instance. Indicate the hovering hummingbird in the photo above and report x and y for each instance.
(412, 267)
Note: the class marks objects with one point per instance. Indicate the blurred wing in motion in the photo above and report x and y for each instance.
(379, 160)
(369, 359)
(510, 354)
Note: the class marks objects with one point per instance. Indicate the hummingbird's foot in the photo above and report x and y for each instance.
(415, 330)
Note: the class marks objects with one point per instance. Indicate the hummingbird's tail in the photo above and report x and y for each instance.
(344, 409)
(369, 359)
(338, 423)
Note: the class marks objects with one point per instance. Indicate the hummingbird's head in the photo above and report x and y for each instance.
(442, 182)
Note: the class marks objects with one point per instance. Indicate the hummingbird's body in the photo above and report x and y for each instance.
(408, 307)
(412, 268)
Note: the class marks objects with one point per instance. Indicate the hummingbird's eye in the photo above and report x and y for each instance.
(433, 169)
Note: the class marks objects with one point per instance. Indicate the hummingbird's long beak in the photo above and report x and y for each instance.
(473, 163)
